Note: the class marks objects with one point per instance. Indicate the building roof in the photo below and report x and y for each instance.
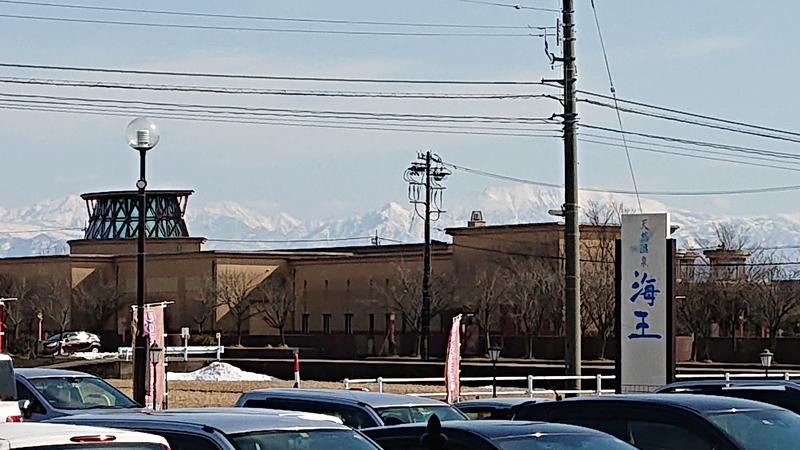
(373, 399)
(540, 226)
(97, 195)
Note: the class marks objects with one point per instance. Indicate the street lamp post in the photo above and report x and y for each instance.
(155, 358)
(142, 135)
(494, 355)
(766, 361)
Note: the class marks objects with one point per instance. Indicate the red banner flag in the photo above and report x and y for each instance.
(452, 366)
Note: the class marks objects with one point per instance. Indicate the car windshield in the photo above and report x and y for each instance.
(563, 442)
(416, 414)
(768, 429)
(80, 393)
(302, 440)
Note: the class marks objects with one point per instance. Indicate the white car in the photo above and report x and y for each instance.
(9, 406)
(74, 437)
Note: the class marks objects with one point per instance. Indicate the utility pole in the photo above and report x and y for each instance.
(419, 176)
(572, 281)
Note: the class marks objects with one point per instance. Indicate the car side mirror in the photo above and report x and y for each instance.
(25, 408)
(434, 439)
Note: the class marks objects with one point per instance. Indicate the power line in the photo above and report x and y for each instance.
(41, 230)
(691, 114)
(277, 77)
(410, 128)
(269, 30)
(279, 92)
(509, 5)
(688, 155)
(272, 19)
(693, 122)
(627, 192)
(614, 94)
(248, 110)
(734, 148)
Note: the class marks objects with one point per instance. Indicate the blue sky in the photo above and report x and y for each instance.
(723, 58)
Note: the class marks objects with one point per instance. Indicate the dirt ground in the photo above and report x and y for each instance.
(184, 394)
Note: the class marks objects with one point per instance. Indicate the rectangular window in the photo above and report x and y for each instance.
(326, 324)
(304, 324)
(371, 324)
(348, 323)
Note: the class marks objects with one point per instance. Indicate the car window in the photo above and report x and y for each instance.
(488, 413)
(771, 429)
(400, 443)
(351, 416)
(80, 393)
(181, 441)
(651, 435)
(417, 414)
(23, 393)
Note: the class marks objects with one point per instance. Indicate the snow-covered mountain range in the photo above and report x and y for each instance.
(45, 227)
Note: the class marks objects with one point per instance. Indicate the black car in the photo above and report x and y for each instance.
(677, 421)
(785, 394)
(357, 409)
(493, 408)
(493, 435)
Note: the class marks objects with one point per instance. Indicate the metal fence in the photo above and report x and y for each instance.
(126, 353)
(532, 390)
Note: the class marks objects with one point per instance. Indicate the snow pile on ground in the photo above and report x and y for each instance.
(219, 371)
(94, 355)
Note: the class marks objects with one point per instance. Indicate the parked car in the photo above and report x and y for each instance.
(10, 405)
(358, 409)
(70, 342)
(503, 408)
(785, 394)
(232, 431)
(71, 437)
(493, 435)
(677, 421)
(55, 392)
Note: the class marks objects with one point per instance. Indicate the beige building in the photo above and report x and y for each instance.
(334, 291)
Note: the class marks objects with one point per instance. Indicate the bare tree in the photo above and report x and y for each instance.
(209, 303)
(696, 310)
(96, 300)
(774, 294)
(731, 238)
(535, 291)
(234, 291)
(490, 287)
(598, 299)
(51, 298)
(405, 295)
(17, 312)
(276, 302)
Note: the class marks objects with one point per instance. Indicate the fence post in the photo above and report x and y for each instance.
(727, 376)
(219, 346)
(380, 384)
(530, 386)
(598, 384)
(786, 376)
(346, 384)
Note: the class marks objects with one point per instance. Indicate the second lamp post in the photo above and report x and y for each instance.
(142, 135)
(494, 355)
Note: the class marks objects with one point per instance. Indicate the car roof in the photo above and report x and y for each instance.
(226, 422)
(32, 434)
(699, 383)
(697, 402)
(493, 429)
(501, 402)
(259, 411)
(373, 399)
(44, 373)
